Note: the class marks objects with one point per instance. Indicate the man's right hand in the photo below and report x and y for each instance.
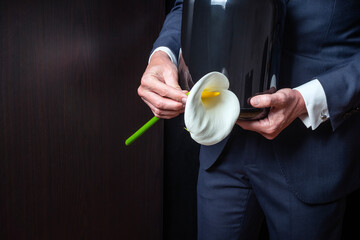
(160, 89)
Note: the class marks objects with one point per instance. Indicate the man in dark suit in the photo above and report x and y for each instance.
(295, 167)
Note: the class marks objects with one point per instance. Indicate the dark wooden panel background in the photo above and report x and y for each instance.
(69, 71)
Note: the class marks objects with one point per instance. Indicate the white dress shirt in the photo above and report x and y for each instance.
(312, 92)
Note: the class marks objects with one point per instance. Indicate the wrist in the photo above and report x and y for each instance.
(160, 58)
(301, 106)
(159, 55)
(160, 51)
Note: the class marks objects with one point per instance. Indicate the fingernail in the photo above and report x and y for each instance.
(184, 100)
(255, 101)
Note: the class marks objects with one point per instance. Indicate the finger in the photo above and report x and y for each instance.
(251, 125)
(162, 103)
(164, 90)
(261, 126)
(261, 101)
(165, 114)
(257, 126)
(269, 100)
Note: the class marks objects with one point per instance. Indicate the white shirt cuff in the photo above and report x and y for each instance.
(315, 101)
(168, 52)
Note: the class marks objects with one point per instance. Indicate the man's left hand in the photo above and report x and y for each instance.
(285, 106)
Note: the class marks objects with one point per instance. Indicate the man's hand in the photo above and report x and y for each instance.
(160, 89)
(285, 106)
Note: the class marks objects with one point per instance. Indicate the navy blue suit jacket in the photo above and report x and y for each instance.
(321, 40)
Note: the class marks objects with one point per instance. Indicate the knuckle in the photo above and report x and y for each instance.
(146, 79)
(282, 97)
(143, 82)
(140, 91)
(270, 134)
(270, 131)
(177, 106)
(143, 79)
(164, 92)
(159, 104)
(270, 137)
(157, 112)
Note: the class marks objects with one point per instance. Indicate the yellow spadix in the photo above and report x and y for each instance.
(211, 109)
(207, 94)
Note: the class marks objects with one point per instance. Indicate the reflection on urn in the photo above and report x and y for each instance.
(240, 39)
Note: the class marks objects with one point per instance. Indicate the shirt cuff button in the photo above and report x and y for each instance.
(323, 117)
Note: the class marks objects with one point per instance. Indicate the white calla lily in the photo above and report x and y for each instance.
(211, 109)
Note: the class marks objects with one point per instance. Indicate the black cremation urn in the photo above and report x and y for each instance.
(239, 38)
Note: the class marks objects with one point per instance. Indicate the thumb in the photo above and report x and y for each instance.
(261, 101)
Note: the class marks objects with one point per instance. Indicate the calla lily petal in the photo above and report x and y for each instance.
(211, 119)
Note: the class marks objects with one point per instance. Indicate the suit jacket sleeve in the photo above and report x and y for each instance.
(170, 35)
(342, 89)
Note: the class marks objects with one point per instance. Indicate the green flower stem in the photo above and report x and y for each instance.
(143, 129)
(140, 132)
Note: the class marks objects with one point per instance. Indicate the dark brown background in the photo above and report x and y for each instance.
(69, 71)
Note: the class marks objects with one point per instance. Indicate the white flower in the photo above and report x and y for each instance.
(211, 109)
